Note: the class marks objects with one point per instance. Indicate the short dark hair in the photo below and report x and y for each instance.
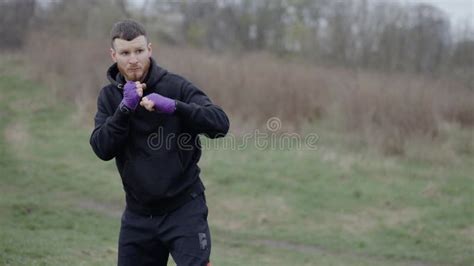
(127, 30)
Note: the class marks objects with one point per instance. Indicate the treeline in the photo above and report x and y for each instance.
(360, 33)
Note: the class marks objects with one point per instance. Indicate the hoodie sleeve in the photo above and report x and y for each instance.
(200, 114)
(111, 130)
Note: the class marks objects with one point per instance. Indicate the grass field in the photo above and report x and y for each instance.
(60, 205)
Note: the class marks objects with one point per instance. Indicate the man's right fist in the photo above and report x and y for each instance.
(131, 96)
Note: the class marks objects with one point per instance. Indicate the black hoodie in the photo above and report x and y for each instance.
(156, 154)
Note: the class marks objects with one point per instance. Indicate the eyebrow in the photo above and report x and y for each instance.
(128, 49)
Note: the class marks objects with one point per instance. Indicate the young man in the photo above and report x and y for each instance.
(149, 119)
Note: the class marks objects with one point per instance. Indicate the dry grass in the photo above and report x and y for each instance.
(73, 69)
(254, 87)
(17, 135)
(384, 110)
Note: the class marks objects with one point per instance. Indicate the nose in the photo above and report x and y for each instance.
(133, 59)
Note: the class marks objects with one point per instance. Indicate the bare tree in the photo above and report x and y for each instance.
(359, 33)
(82, 19)
(430, 37)
(15, 17)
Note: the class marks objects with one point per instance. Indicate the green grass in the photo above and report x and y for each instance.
(60, 205)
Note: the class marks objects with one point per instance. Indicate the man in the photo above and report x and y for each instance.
(149, 119)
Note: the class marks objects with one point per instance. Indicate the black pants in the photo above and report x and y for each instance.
(148, 240)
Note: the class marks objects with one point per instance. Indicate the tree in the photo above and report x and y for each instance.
(15, 17)
(429, 37)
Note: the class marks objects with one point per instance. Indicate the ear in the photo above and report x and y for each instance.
(113, 54)
(149, 49)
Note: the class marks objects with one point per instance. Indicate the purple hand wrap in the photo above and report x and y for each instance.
(162, 104)
(130, 95)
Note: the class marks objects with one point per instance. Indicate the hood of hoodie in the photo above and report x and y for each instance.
(155, 73)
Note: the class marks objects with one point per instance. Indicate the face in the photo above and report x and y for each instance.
(132, 57)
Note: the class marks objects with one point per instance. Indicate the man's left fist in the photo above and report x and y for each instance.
(156, 102)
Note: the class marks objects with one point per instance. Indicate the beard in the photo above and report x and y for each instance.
(137, 73)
